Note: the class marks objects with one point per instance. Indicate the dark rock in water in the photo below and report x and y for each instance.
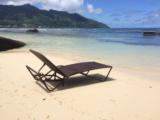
(32, 31)
(7, 44)
(150, 33)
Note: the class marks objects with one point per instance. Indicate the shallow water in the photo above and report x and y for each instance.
(126, 48)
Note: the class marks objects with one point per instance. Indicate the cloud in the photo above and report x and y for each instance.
(147, 19)
(152, 18)
(72, 6)
(91, 9)
(132, 12)
(154, 2)
(153, 14)
(17, 2)
(62, 5)
(116, 19)
(115, 14)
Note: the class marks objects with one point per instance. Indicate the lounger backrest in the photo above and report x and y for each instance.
(47, 62)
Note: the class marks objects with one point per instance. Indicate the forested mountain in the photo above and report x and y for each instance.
(30, 16)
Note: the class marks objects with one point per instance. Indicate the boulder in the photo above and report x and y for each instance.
(7, 44)
(150, 33)
(32, 31)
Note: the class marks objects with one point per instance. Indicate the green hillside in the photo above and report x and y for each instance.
(30, 16)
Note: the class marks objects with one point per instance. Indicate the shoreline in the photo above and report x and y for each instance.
(142, 60)
(124, 69)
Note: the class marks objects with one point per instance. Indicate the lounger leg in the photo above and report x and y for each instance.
(108, 73)
(40, 78)
(64, 80)
(54, 75)
(45, 80)
(31, 72)
(63, 83)
(85, 74)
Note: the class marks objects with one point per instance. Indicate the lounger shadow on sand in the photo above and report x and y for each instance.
(60, 74)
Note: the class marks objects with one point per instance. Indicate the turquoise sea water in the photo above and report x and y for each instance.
(127, 48)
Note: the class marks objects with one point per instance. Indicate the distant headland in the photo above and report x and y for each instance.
(28, 16)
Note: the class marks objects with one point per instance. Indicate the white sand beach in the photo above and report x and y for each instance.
(125, 96)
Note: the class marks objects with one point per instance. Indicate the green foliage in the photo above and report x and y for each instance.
(30, 16)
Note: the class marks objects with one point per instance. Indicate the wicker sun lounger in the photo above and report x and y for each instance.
(62, 73)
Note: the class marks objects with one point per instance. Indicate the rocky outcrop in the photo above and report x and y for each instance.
(7, 44)
(150, 33)
(32, 31)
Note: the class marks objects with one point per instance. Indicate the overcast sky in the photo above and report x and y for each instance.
(115, 13)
